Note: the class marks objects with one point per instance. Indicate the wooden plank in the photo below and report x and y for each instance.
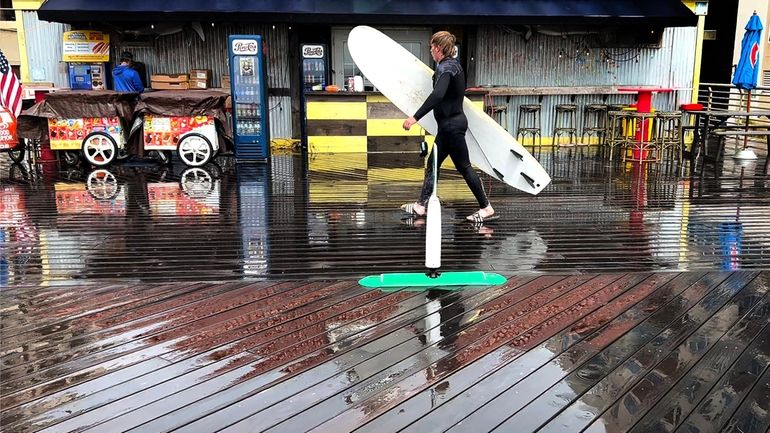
(39, 359)
(336, 110)
(527, 395)
(751, 416)
(338, 144)
(541, 362)
(639, 375)
(727, 394)
(671, 410)
(335, 97)
(89, 361)
(215, 375)
(210, 353)
(576, 341)
(384, 110)
(491, 327)
(57, 305)
(336, 127)
(649, 379)
(399, 144)
(300, 371)
(57, 321)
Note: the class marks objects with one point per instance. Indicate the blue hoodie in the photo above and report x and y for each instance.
(127, 79)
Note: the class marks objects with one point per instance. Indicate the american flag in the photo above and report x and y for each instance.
(10, 88)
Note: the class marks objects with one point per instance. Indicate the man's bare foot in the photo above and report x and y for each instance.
(414, 209)
(482, 215)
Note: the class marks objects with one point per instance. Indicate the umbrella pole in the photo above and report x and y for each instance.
(748, 109)
(746, 153)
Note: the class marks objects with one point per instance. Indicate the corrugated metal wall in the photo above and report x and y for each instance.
(177, 52)
(506, 59)
(180, 52)
(44, 50)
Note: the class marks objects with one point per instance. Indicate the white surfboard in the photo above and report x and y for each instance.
(406, 82)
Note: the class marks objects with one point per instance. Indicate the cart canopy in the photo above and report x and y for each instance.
(171, 103)
(33, 122)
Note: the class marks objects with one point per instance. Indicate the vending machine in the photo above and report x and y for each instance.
(315, 67)
(87, 76)
(248, 87)
(315, 76)
(87, 53)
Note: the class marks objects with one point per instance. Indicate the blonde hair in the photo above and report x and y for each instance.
(445, 41)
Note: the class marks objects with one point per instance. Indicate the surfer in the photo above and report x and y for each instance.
(446, 101)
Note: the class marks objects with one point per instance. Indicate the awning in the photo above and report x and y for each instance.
(667, 13)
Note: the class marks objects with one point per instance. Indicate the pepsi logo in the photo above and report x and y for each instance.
(754, 54)
(245, 47)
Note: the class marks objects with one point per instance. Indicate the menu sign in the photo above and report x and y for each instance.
(86, 46)
(163, 133)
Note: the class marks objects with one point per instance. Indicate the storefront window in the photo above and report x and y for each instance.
(416, 40)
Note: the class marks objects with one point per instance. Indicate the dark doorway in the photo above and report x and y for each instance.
(717, 65)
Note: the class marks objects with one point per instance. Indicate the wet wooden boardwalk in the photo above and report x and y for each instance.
(617, 352)
(148, 299)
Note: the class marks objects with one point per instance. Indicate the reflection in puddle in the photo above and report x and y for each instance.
(338, 216)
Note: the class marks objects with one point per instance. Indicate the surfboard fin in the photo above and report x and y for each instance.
(500, 175)
(529, 180)
(517, 155)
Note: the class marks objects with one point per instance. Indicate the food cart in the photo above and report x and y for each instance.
(191, 123)
(88, 123)
(9, 141)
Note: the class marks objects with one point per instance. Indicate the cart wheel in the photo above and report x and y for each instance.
(69, 157)
(164, 156)
(102, 184)
(195, 149)
(17, 154)
(196, 182)
(99, 148)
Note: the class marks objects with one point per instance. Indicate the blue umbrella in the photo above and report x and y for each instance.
(746, 72)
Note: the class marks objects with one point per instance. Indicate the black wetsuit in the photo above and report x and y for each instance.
(446, 101)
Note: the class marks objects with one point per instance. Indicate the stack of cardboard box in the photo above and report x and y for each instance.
(200, 79)
(170, 81)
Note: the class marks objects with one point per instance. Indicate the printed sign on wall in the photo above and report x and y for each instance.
(86, 46)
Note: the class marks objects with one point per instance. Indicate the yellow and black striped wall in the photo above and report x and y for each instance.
(351, 140)
(365, 122)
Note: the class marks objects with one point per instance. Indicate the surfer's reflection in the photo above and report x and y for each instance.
(442, 321)
(445, 318)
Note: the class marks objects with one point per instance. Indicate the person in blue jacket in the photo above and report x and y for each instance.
(125, 78)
